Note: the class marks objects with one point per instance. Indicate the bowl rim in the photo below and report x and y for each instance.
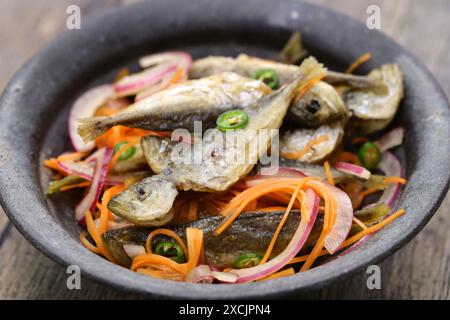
(98, 269)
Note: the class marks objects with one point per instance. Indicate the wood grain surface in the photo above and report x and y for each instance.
(420, 270)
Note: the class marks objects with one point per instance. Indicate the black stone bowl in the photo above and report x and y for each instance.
(35, 105)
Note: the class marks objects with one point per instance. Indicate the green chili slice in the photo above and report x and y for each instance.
(232, 120)
(248, 260)
(127, 154)
(268, 76)
(170, 250)
(369, 155)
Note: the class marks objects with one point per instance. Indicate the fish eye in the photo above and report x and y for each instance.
(313, 106)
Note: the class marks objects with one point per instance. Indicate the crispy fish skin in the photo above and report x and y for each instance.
(376, 106)
(320, 105)
(294, 140)
(215, 172)
(182, 104)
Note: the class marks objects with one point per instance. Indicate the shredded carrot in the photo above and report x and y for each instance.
(71, 156)
(85, 242)
(308, 85)
(281, 224)
(346, 156)
(279, 274)
(178, 75)
(232, 211)
(117, 155)
(77, 185)
(194, 238)
(95, 235)
(400, 180)
(53, 164)
(358, 62)
(271, 209)
(105, 214)
(357, 236)
(166, 232)
(309, 146)
(326, 166)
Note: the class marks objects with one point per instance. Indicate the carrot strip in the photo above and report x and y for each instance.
(357, 236)
(280, 225)
(400, 180)
(77, 185)
(87, 244)
(279, 274)
(330, 179)
(346, 156)
(358, 62)
(71, 156)
(53, 164)
(117, 155)
(271, 209)
(93, 232)
(299, 153)
(308, 85)
(177, 77)
(105, 214)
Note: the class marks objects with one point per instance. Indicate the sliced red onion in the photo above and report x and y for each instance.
(133, 250)
(86, 171)
(200, 274)
(353, 169)
(225, 277)
(391, 167)
(183, 59)
(391, 139)
(98, 180)
(295, 245)
(283, 172)
(344, 219)
(84, 107)
(163, 84)
(134, 83)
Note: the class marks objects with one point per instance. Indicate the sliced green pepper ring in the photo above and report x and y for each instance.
(170, 250)
(232, 120)
(369, 155)
(248, 260)
(268, 76)
(127, 154)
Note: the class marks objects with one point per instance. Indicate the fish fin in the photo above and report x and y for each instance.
(311, 69)
(91, 128)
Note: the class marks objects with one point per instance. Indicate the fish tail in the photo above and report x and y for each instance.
(91, 128)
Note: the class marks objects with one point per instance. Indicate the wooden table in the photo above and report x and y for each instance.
(421, 270)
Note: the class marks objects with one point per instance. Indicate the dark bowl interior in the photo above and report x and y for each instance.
(35, 106)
